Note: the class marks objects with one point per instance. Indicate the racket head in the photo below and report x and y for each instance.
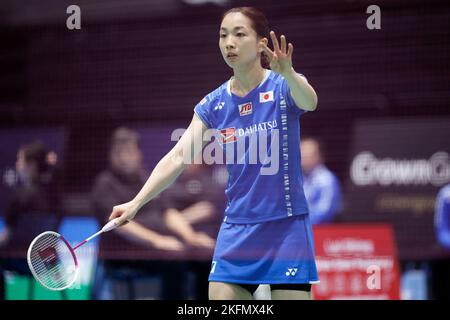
(52, 261)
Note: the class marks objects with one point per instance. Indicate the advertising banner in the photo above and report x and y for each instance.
(356, 261)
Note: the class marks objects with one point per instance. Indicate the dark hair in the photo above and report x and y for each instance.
(259, 23)
(36, 152)
(124, 136)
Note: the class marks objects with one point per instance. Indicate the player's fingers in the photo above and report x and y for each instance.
(113, 215)
(117, 213)
(122, 223)
(268, 51)
(283, 44)
(276, 45)
(123, 219)
(290, 50)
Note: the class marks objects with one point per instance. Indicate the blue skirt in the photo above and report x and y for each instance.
(278, 251)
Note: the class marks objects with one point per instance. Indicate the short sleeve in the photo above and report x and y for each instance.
(202, 109)
(289, 100)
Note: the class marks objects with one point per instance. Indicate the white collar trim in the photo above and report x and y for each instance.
(267, 74)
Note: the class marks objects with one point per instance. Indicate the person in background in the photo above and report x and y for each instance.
(440, 277)
(36, 195)
(34, 207)
(197, 197)
(154, 229)
(157, 228)
(321, 186)
(442, 216)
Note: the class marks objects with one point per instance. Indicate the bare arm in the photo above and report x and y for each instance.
(301, 91)
(181, 227)
(199, 212)
(138, 233)
(166, 171)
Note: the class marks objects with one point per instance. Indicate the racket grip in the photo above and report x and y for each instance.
(110, 225)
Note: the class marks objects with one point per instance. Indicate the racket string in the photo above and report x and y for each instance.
(52, 261)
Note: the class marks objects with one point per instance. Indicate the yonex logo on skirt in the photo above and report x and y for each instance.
(291, 272)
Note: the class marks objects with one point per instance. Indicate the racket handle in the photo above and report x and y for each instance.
(107, 227)
(110, 225)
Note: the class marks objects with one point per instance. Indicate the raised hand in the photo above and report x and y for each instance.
(280, 60)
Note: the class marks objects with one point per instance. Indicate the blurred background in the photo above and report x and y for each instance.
(132, 74)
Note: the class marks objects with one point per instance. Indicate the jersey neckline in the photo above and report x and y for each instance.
(251, 92)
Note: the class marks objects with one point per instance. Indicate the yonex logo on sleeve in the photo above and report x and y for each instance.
(219, 106)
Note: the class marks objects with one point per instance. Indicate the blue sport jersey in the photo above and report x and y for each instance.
(260, 137)
(442, 216)
(323, 194)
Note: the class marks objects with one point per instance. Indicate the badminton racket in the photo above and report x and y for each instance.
(52, 260)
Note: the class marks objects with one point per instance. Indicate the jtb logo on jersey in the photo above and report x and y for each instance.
(265, 96)
(245, 109)
(227, 135)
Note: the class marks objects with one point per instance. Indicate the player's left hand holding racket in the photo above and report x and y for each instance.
(52, 260)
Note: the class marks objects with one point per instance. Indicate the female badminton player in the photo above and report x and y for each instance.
(266, 235)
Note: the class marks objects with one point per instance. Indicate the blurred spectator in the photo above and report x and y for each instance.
(442, 216)
(321, 186)
(440, 276)
(153, 227)
(196, 196)
(34, 206)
